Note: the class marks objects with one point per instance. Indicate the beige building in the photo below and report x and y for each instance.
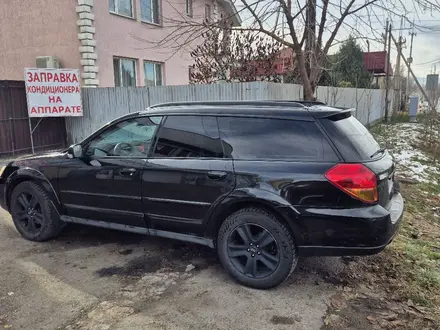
(112, 42)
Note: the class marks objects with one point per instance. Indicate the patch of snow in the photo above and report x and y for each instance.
(402, 141)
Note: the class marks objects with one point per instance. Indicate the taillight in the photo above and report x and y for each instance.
(356, 180)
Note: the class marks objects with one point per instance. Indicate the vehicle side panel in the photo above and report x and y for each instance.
(41, 169)
(322, 214)
(179, 193)
(103, 189)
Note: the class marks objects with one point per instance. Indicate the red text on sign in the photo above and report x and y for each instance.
(53, 99)
(51, 77)
(56, 109)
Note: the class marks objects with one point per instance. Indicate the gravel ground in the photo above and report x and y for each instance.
(92, 278)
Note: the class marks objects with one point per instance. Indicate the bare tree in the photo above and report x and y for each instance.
(246, 56)
(309, 27)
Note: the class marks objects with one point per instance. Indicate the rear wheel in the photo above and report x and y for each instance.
(256, 249)
(33, 213)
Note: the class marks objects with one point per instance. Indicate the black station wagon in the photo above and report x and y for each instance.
(261, 182)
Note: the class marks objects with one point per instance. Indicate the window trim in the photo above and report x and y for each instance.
(189, 4)
(133, 14)
(86, 143)
(209, 19)
(159, 4)
(120, 69)
(162, 71)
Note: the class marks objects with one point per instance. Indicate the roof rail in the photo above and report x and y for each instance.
(219, 103)
(302, 102)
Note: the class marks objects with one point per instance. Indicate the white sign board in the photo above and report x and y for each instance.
(53, 92)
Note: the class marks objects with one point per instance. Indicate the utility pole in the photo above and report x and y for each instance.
(385, 37)
(397, 74)
(414, 76)
(410, 59)
(397, 80)
(387, 88)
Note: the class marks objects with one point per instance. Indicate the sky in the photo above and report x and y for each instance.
(370, 23)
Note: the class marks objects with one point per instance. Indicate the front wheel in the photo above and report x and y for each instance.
(256, 249)
(33, 213)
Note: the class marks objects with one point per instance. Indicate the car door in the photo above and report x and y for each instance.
(186, 175)
(105, 183)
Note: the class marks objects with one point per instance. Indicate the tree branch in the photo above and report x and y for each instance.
(322, 24)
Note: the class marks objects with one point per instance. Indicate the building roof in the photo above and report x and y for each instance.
(375, 62)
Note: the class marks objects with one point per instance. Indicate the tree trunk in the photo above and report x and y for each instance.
(310, 44)
(302, 68)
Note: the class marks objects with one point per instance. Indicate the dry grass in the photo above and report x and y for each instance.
(400, 287)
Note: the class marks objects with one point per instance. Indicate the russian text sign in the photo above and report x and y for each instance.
(53, 92)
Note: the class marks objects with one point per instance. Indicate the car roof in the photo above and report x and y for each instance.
(305, 110)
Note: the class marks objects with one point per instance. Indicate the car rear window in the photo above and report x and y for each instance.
(358, 135)
(275, 139)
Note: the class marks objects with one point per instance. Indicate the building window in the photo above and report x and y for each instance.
(125, 72)
(150, 11)
(208, 13)
(121, 7)
(189, 9)
(153, 74)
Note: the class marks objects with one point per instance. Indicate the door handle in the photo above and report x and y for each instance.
(217, 175)
(127, 171)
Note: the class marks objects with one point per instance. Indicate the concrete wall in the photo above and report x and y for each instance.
(31, 28)
(102, 105)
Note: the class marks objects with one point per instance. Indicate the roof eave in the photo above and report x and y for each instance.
(236, 19)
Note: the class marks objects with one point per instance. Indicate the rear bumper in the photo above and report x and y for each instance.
(353, 232)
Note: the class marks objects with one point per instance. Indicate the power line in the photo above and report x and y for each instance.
(428, 63)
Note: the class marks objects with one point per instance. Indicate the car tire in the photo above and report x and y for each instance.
(33, 212)
(256, 249)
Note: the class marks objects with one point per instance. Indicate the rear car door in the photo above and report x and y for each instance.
(105, 183)
(187, 174)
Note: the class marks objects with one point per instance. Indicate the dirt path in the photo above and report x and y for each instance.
(97, 279)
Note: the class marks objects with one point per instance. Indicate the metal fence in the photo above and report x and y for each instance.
(100, 105)
(15, 136)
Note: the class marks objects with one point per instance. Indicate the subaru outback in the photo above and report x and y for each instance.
(263, 183)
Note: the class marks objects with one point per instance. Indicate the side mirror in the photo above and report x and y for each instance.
(75, 151)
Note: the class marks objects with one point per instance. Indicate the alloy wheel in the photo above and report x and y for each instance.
(29, 213)
(253, 250)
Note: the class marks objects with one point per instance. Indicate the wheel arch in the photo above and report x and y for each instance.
(29, 174)
(275, 205)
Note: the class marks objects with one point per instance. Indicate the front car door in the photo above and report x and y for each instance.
(105, 183)
(186, 175)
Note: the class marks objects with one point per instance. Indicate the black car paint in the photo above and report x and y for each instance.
(190, 197)
(178, 194)
(104, 189)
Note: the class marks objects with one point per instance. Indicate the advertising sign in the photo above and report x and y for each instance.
(53, 92)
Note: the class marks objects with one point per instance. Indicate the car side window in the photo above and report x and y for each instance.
(277, 139)
(189, 137)
(130, 138)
